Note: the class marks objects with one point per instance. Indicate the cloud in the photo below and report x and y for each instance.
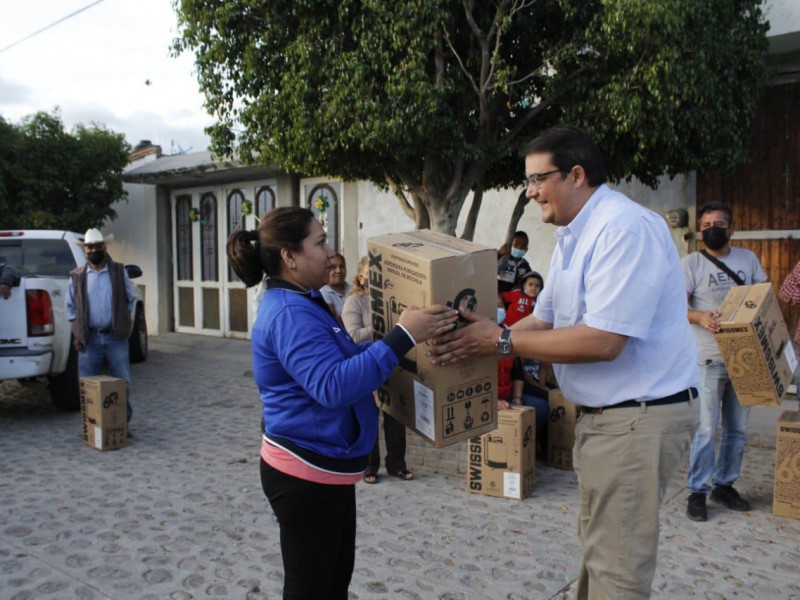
(13, 93)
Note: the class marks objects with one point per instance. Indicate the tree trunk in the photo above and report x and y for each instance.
(472, 217)
(516, 215)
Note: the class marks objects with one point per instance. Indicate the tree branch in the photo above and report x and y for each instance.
(460, 62)
(472, 217)
(401, 197)
(516, 215)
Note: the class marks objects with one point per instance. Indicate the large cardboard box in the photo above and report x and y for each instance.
(560, 431)
(104, 411)
(443, 404)
(755, 345)
(786, 499)
(503, 462)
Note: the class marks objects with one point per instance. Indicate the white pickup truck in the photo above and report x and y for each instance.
(35, 335)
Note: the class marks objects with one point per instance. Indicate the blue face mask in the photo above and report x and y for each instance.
(501, 314)
(517, 252)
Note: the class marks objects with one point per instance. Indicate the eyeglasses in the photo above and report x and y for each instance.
(536, 179)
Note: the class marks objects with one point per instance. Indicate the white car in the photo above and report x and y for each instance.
(35, 335)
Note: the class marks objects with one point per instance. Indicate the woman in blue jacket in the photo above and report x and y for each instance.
(316, 384)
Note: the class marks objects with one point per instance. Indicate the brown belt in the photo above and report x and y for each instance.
(682, 396)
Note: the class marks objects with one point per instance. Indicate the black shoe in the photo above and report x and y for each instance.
(725, 494)
(696, 507)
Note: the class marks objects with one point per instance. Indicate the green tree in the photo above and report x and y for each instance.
(434, 98)
(54, 179)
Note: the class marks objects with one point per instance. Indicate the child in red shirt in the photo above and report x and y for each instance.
(520, 302)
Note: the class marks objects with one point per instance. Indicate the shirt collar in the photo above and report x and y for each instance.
(89, 269)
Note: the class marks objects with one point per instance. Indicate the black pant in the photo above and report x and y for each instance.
(318, 534)
(394, 434)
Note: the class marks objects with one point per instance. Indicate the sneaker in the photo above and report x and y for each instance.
(725, 494)
(696, 507)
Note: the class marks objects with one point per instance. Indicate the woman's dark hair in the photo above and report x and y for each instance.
(255, 253)
(570, 146)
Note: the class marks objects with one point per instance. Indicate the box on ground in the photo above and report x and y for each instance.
(503, 462)
(443, 404)
(786, 499)
(755, 345)
(104, 412)
(560, 431)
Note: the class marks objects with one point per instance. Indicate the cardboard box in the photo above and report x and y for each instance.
(104, 411)
(443, 404)
(755, 345)
(503, 462)
(560, 431)
(786, 500)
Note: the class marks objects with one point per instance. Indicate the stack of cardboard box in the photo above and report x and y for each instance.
(446, 404)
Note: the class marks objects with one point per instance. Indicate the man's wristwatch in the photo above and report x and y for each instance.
(504, 343)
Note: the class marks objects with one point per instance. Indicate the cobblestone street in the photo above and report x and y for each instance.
(179, 513)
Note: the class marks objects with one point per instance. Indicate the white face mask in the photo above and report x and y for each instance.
(517, 252)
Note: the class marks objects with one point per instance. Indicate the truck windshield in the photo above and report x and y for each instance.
(46, 258)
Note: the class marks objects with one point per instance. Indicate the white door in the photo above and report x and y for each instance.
(196, 268)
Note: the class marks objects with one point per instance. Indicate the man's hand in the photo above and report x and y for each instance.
(478, 338)
(710, 320)
(5, 291)
(79, 346)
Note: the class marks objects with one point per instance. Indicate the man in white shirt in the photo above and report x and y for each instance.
(707, 284)
(612, 320)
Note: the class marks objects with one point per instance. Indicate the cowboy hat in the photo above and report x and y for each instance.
(93, 236)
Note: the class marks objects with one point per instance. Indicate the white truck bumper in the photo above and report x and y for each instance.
(26, 365)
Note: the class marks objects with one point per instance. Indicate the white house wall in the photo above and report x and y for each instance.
(380, 212)
(136, 242)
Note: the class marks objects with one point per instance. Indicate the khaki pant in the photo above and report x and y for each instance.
(624, 459)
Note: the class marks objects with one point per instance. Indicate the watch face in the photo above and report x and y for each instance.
(504, 344)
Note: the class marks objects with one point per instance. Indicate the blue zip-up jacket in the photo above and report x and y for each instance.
(315, 382)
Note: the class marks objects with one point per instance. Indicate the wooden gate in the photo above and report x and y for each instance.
(764, 193)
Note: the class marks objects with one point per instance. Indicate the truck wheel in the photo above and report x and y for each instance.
(137, 345)
(65, 388)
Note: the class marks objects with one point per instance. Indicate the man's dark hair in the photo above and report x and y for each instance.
(520, 234)
(570, 146)
(713, 207)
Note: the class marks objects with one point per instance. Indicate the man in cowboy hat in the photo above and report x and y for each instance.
(99, 304)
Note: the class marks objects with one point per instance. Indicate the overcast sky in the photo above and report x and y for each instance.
(94, 66)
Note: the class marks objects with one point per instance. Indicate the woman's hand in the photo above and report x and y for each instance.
(425, 323)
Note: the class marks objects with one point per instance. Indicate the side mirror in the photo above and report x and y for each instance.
(133, 271)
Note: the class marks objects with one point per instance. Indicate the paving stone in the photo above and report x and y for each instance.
(179, 513)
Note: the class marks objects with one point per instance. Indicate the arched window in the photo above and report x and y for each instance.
(323, 200)
(183, 235)
(208, 237)
(265, 200)
(235, 220)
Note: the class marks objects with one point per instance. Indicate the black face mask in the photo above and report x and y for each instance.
(97, 256)
(715, 237)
